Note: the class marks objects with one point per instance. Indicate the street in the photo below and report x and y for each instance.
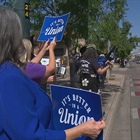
(126, 125)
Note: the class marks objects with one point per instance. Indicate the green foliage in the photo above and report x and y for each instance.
(96, 21)
(108, 28)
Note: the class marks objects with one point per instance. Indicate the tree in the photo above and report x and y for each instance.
(107, 25)
(126, 42)
(96, 21)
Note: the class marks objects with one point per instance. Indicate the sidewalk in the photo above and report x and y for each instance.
(110, 95)
(111, 98)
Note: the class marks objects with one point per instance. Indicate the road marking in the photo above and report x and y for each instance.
(135, 113)
(136, 84)
(135, 79)
(135, 93)
(132, 93)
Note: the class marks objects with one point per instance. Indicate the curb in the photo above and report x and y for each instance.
(110, 111)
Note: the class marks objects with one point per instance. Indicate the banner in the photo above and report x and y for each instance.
(72, 106)
(53, 27)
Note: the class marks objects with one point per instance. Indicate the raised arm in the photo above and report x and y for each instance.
(50, 68)
(39, 56)
(103, 70)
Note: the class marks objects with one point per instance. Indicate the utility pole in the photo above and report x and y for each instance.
(22, 8)
(108, 45)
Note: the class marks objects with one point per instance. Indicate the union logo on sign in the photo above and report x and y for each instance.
(53, 27)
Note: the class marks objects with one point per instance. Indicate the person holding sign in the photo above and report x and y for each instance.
(37, 46)
(90, 69)
(25, 109)
(102, 62)
(36, 71)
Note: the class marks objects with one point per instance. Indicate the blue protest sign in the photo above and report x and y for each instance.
(53, 27)
(72, 106)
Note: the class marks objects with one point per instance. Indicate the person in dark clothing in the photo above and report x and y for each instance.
(75, 68)
(73, 71)
(90, 68)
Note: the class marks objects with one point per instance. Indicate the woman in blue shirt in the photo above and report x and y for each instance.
(25, 109)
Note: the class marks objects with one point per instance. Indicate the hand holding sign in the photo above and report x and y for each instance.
(110, 62)
(45, 46)
(48, 45)
(90, 128)
(93, 128)
(52, 44)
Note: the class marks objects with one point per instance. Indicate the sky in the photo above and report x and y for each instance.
(133, 16)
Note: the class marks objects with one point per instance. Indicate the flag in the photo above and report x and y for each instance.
(111, 55)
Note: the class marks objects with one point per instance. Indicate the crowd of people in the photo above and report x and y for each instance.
(26, 109)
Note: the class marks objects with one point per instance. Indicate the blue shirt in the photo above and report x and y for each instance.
(102, 61)
(25, 109)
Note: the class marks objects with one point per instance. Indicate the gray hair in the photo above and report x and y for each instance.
(11, 46)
